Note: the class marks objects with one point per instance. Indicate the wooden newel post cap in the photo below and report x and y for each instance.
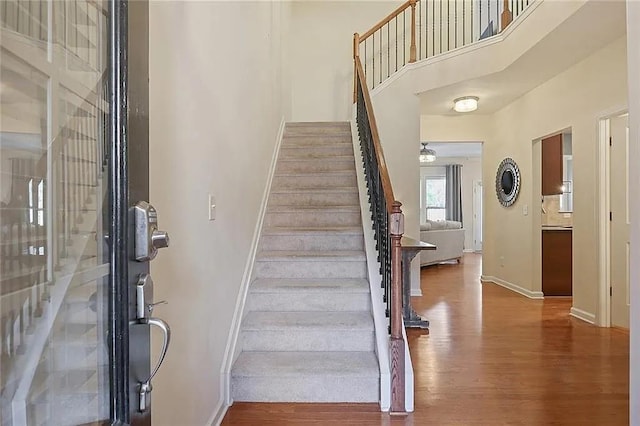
(396, 219)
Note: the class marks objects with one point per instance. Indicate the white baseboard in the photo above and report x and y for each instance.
(583, 315)
(218, 413)
(513, 287)
(231, 350)
(416, 292)
(468, 251)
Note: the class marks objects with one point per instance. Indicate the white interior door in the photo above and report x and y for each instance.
(477, 215)
(619, 230)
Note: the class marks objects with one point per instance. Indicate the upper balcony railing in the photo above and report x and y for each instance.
(421, 29)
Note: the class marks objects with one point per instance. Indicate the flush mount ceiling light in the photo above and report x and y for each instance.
(427, 155)
(465, 104)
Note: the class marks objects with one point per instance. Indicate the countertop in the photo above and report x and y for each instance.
(556, 228)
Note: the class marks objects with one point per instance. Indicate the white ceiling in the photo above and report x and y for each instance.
(456, 149)
(592, 27)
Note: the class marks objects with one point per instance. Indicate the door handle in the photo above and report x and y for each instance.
(145, 386)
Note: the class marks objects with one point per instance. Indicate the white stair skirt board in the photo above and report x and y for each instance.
(307, 332)
(513, 287)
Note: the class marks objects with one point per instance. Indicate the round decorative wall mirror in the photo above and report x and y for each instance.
(507, 182)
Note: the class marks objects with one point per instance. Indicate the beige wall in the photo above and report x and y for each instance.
(633, 17)
(217, 99)
(321, 44)
(573, 99)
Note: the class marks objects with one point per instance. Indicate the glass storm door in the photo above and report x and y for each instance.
(73, 162)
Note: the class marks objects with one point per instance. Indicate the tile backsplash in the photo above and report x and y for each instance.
(553, 217)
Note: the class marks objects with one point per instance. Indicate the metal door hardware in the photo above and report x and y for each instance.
(145, 386)
(144, 308)
(144, 297)
(148, 238)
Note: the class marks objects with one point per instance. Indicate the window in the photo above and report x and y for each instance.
(435, 197)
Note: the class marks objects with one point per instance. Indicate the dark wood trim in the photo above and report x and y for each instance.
(396, 229)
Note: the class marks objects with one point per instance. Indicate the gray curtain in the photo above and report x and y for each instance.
(454, 192)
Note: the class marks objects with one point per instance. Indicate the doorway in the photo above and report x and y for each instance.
(433, 188)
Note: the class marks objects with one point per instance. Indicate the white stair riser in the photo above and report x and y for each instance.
(315, 140)
(312, 166)
(308, 340)
(306, 389)
(316, 151)
(315, 181)
(312, 242)
(308, 302)
(319, 218)
(311, 269)
(310, 198)
(317, 129)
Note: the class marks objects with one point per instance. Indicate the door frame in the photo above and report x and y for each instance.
(603, 314)
(477, 223)
(129, 183)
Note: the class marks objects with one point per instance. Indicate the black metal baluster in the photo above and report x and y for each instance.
(404, 38)
(396, 19)
(419, 30)
(464, 23)
(388, 50)
(440, 51)
(365, 58)
(381, 40)
(455, 23)
(373, 61)
(448, 25)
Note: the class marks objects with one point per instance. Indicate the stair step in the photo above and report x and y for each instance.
(316, 151)
(305, 140)
(306, 377)
(312, 238)
(311, 264)
(333, 180)
(309, 295)
(297, 165)
(301, 216)
(316, 197)
(317, 128)
(308, 331)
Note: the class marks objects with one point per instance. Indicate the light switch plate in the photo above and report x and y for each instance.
(525, 209)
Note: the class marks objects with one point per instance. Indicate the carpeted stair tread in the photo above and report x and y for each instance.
(287, 364)
(285, 255)
(325, 321)
(290, 285)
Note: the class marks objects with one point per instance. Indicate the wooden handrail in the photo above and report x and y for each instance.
(384, 171)
(404, 6)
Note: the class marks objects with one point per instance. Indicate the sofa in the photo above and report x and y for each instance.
(448, 237)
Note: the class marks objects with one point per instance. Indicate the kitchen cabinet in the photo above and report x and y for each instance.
(552, 165)
(557, 268)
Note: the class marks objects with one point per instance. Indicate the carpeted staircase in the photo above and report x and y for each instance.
(308, 332)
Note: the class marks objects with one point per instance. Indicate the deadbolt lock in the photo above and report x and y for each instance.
(148, 238)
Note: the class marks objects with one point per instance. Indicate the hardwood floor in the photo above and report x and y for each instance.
(492, 357)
